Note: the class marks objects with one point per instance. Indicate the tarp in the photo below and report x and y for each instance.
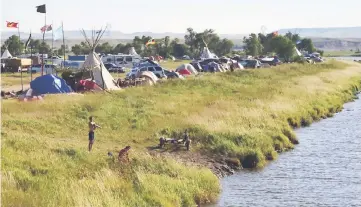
(188, 67)
(99, 72)
(6, 54)
(49, 84)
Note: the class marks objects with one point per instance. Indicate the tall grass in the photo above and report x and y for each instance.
(248, 115)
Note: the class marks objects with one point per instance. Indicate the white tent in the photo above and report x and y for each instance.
(132, 51)
(206, 54)
(101, 75)
(6, 54)
(298, 52)
(188, 67)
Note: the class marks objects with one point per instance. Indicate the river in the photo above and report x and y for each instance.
(323, 170)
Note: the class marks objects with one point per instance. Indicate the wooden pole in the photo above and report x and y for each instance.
(21, 70)
(62, 28)
(42, 51)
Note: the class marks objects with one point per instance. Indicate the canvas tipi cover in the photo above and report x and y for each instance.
(206, 54)
(6, 54)
(99, 71)
(132, 51)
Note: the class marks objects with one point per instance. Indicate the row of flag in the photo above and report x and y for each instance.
(47, 28)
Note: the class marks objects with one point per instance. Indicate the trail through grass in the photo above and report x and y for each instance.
(244, 115)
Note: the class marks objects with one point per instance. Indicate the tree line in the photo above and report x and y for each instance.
(254, 44)
(282, 45)
(166, 47)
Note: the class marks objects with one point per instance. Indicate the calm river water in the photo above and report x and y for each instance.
(323, 170)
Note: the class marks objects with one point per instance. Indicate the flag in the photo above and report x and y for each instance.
(46, 28)
(275, 33)
(58, 33)
(41, 9)
(28, 41)
(12, 24)
(150, 42)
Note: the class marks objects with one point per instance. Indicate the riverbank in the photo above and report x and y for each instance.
(242, 118)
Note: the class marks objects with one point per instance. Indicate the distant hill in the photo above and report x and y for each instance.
(333, 32)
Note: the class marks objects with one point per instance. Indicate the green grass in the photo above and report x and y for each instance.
(244, 115)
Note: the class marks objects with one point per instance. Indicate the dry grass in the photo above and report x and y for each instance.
(244, 114)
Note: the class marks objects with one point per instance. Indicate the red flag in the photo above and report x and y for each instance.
(12, 24)
(275, 34)
(46, 28)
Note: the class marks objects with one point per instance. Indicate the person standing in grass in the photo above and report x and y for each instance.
(92, 127)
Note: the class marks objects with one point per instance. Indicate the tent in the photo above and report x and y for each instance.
(298, 52)
(6, 54)
(188, 67)
(132, 51)
(184, 72)
(49, 84)
(206, 54)
(93, 63)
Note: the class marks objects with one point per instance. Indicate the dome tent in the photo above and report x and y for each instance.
(49, 84)
(189, 67)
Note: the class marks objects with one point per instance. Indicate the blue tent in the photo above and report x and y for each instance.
(49, 84)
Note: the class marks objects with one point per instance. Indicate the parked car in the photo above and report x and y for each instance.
(157, 70)
(251, 63)
(114, 68)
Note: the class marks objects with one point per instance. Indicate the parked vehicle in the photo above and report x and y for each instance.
(122, 60)
(48, 69)
(251, 63)
(114, 68)
(157, 70)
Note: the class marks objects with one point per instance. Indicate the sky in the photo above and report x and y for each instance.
(224, 16)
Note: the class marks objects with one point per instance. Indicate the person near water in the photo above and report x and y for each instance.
(92, 127)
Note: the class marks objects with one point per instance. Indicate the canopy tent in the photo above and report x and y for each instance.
(132, 51)
(6, 54)
(189, 67)
(93, 63)
(49, 84)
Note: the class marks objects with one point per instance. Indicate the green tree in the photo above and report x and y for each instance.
(284, 47)
(104, 48)
(253, 45)
(293, 37)
(190, 40)
(224, 47)
(14, 45)
(77, 49)
(307, 45)
(63, 49)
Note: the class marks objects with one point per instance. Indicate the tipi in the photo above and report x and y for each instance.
(132, 51)
(100, 74)
(6, 54)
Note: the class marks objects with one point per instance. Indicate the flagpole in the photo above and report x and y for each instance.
(42, 51)
(52, 42)
(21, 70)
(62, 28)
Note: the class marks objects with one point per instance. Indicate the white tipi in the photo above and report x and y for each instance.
(132, 51)
(93, 63)
(6, 54)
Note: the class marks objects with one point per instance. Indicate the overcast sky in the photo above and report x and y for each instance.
(225, 16)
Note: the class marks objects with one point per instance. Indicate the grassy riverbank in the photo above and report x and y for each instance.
(243, 115)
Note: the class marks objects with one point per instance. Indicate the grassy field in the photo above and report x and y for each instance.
(245, 115)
